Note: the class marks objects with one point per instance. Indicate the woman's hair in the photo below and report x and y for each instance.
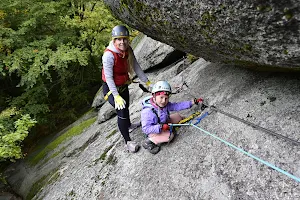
(130, 61)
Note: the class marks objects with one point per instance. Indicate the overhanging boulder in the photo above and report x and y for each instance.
(151, 53)
(249, 33)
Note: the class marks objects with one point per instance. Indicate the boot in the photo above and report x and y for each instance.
(134, 126)
(150, 146)
(132, 146)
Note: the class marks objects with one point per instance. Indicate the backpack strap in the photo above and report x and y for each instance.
(155, 112)
(146, 103)
(168, 112)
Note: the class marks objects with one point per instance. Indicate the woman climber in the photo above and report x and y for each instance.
(118, 63)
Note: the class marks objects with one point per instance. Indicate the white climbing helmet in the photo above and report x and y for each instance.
(161, 86)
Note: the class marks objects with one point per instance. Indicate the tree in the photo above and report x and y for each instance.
(50, 59)
(11, 137)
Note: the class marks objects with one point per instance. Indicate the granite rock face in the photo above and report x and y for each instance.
(257, 34)
(94, 165)
(150, 52)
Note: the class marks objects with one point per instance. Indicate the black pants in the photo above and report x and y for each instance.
(123, 115)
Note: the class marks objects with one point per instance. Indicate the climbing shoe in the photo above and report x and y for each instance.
(150, 146)
(134, 126)
(132, 146)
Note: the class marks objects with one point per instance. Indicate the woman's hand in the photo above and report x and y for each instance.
(149, 85)
(119, 102)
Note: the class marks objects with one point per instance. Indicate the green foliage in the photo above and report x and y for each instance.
(76, 130)
(33, 102)
(11, 137)
(191, 58)
(50, 59)
(55, 45)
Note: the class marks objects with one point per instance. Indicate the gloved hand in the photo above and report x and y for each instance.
(200, 103)
(197, 101)
(149, 85)
(119, 102)
(165, 127)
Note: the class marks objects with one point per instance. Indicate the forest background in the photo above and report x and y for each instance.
(50, 67)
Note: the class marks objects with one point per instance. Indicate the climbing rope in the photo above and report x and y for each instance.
(213, 108)
(243, 151)
(254, 125)
(189, 118)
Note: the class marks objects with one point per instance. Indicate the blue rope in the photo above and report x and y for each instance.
(171, 127)
(197, 122)
(245, 152)
(200, 118)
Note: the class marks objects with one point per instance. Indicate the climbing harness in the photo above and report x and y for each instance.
(142, 86)
(146, 103)
(192, 116)
(121, 88)
(107, 95)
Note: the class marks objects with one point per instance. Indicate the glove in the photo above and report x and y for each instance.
(149, 85)
(165, 127)
(197, 101)
(200, 103)
(119, 102)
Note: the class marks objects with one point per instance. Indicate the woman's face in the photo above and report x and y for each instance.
(161, 100)
(121, 43)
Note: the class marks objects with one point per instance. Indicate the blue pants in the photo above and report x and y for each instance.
(123, 115)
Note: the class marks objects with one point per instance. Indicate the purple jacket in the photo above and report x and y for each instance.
(149, 119)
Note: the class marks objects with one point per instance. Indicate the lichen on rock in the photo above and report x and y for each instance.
(264, 33)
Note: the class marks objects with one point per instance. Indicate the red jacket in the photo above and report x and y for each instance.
(120, 69)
